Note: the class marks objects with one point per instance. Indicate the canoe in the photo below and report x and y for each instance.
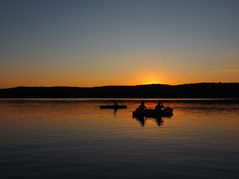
(166, 112)
(113, 107)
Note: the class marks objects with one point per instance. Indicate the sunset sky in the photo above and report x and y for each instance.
(118, 42)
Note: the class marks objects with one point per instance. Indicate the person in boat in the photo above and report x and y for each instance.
(115, 103)
(159, 106)
(141, 107)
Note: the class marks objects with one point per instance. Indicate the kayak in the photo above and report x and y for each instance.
(113, 107)
(166, 112)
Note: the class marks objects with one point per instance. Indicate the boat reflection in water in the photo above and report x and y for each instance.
(142, 120)
(74, 138)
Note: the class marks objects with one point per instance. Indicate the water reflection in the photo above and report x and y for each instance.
(114, 111)
(142, 120)
(57, 139)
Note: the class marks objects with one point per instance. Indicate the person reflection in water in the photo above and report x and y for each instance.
(141, 120)
(159, 106)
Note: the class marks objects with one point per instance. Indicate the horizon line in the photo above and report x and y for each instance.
(100, 86)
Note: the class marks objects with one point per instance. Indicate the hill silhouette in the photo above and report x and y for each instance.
(195, 90)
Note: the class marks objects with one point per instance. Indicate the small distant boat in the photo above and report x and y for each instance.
(113, 107)
(166, 112)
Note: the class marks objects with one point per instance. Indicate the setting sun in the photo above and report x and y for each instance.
(152, 78)
(151, 82)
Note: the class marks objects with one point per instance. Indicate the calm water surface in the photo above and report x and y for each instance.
(76, 139)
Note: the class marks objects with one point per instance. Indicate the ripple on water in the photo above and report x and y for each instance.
(78, 140)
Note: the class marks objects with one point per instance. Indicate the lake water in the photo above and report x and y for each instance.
(75, 139)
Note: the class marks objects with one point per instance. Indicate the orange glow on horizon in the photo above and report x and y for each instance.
(141, 77)
(152, 78)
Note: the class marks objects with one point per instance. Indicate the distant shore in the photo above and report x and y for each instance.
(194, 90)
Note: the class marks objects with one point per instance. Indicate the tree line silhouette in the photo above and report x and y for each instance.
(194, 90)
